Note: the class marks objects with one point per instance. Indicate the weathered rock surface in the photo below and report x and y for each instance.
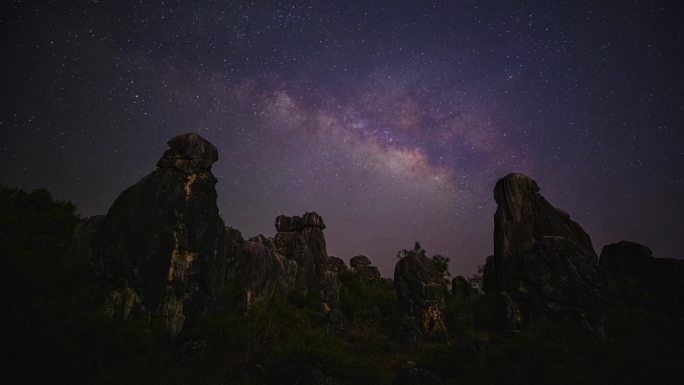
(557, 278)
(655, 284)
(523, 217)
(261, 272)
(161, 245)
(420, 292)
(301, 239)
(544, 263)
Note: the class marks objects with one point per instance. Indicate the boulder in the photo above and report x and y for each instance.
(421, 297)
(655, 284)
(160, 248)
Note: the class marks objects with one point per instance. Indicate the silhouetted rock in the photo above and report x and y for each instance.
(336, 265)
(523, 217)
(359, 261)
(656, 284)
(557, 279)
(362, 265)
(420, 292)
(160, 248)
(544, 263)
(301, 239)
(462, 290)
(189, 153)
(261, 272)
(297, 223)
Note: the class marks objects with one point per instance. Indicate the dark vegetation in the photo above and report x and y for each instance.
(55, 331)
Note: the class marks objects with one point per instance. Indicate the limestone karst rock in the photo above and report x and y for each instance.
(544, 263)
(523, 217)
(336, 265)
(421, 296)
(160, 248)
(301, 239)
(362, 265)
(359, 262)
(655, 284)
(261, 272)
(462, 290)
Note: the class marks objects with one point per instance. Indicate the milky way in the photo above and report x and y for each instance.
(391, 120)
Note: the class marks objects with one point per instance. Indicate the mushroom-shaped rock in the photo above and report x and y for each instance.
(189, 153)
(336, 265)
(301, 239)
(359, 262)
(162, 241)
(297, 223)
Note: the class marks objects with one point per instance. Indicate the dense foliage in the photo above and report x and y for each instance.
(56, 333)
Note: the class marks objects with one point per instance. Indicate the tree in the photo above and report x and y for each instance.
(442, 264)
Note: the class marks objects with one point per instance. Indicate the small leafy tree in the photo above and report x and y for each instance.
(442, 264)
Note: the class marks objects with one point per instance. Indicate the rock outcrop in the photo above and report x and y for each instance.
(421, 296)
(523, 217)
(544, 263)
(336, 265)
(654, 284)
(261, 272)
(362, 265)
(462, 290)
(160, 248)
(301, 239)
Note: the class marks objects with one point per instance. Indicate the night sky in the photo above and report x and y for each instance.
(391, 120)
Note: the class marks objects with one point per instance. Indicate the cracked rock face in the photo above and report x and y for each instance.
(162, 241)
(544, 263)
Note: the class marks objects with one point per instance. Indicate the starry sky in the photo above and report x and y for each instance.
(393, 120)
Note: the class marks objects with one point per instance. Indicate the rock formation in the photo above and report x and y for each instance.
(362, 265)
(301, 239)
(543, 263)
(160, 248)
(261, 272)
(462, 290)
(523, 217)
(420, 292)
(655, 284)
(336, 265)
